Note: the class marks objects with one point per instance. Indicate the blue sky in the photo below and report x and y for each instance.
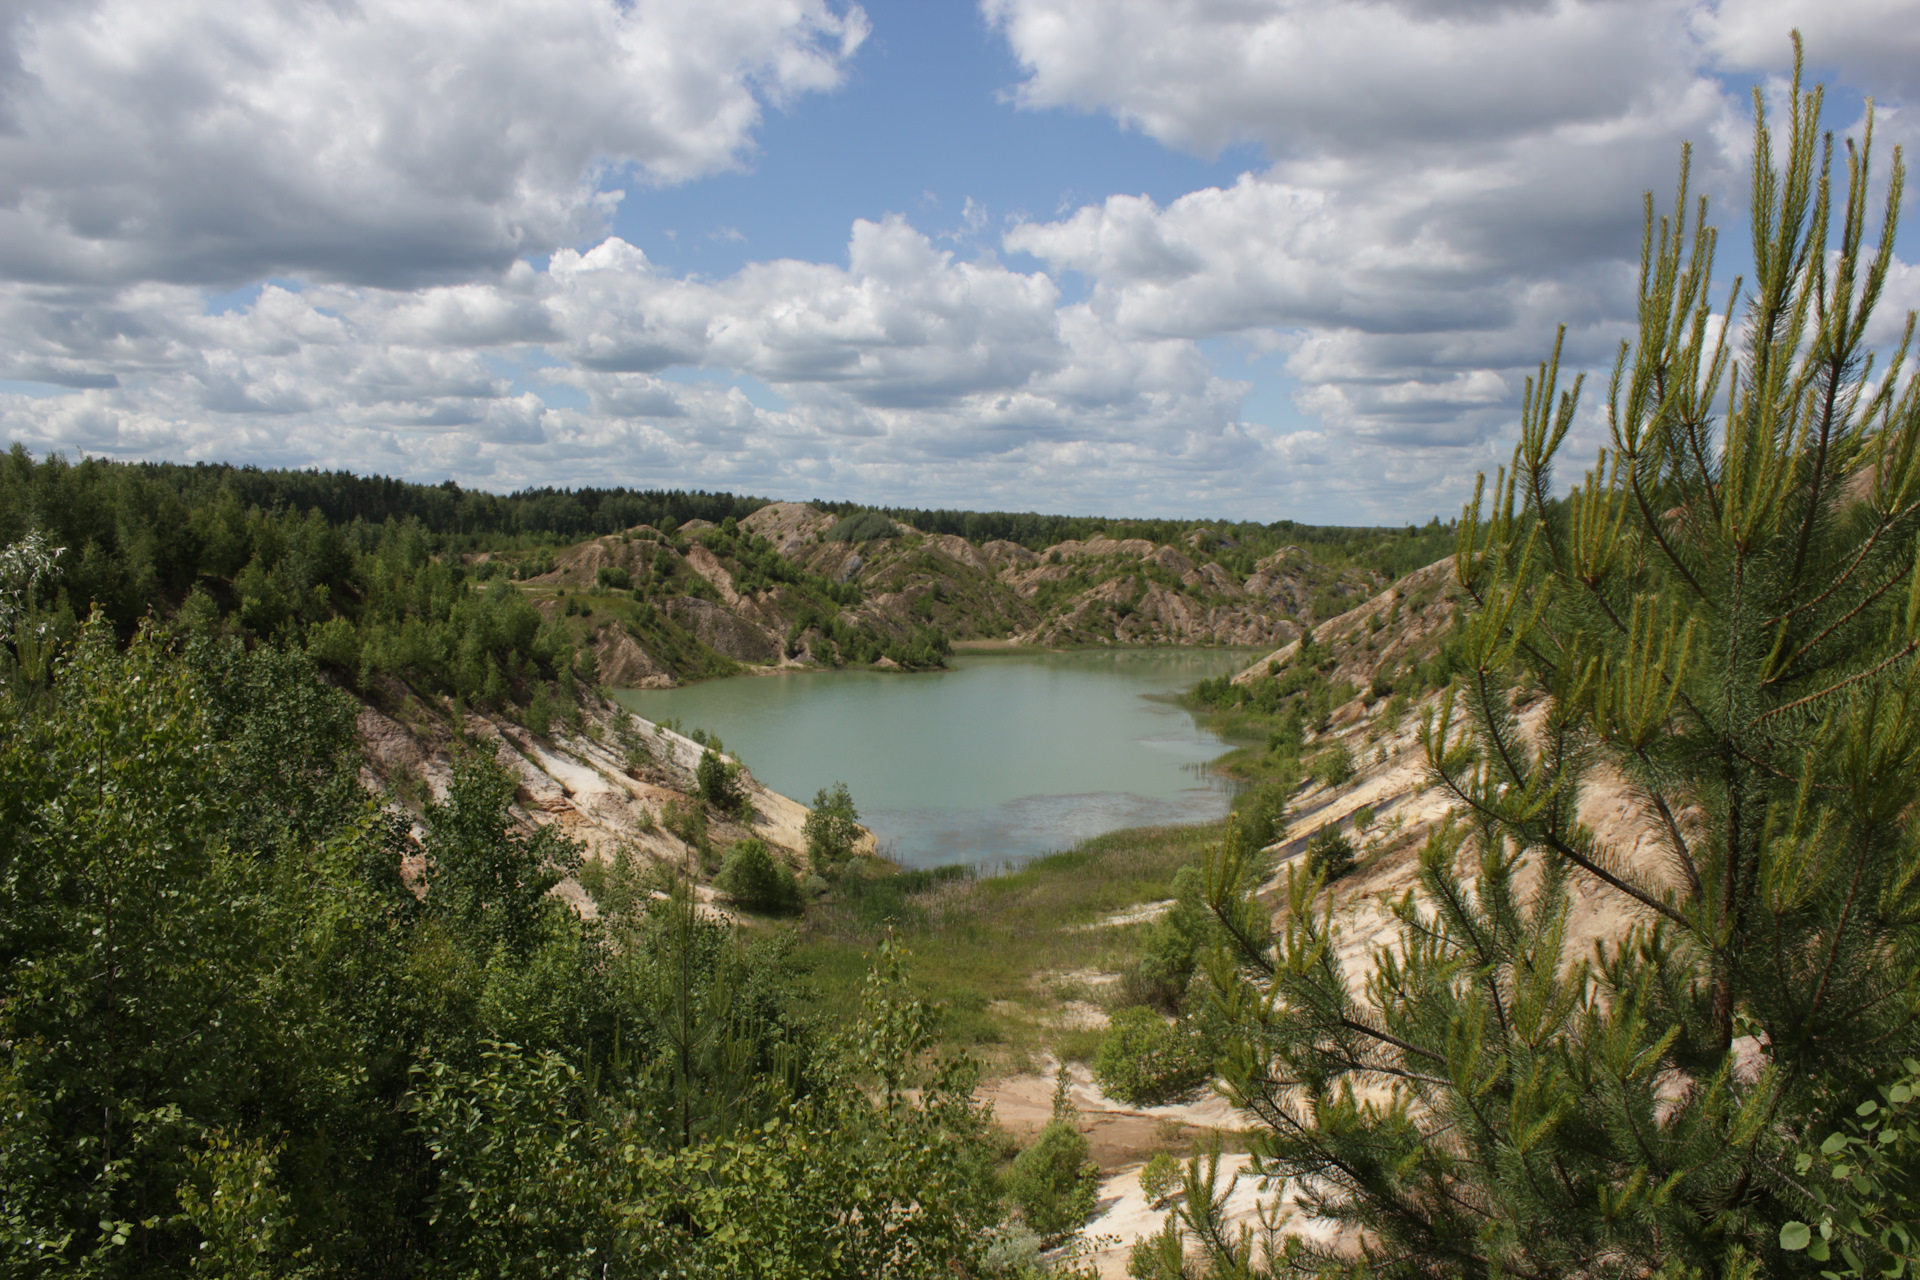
(1281, 258)
(923, 124)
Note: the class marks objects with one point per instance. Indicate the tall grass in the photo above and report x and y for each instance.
(985, 946)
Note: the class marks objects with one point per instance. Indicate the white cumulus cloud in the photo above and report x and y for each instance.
(384, 141)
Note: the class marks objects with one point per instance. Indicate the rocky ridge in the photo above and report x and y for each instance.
(777, 591)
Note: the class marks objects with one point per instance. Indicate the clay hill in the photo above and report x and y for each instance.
(791, 585)
(1348, 705)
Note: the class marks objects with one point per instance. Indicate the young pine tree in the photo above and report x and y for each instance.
(1725, 613)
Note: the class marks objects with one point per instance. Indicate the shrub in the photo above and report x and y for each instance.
(1363, 818)
(1053, 1182)
(1334, 766)
(1161, 1178)
(1146, 1060)
(1263, 812)
(613, 576)
(719, 783)
(1329, 852)
(751, 878)
(1171, 949)
(831, 828)
(538, 717)
(689, 823)
(337, 643)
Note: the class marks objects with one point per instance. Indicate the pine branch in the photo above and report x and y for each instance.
(1905, 651)
(1786, 668)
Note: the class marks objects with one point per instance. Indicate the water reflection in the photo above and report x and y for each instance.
(1004, 757)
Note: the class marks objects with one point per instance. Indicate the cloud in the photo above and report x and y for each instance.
(1338, 77)
(907, 373)
(1437, 186)
(1876, 41)
(1446, 183)
(382, 142)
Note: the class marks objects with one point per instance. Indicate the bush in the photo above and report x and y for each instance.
(538, 717)
(613, 576)
(1171, 950)
(1146, 1060)
(1053, 1182)
(1329, 852)
(1161, 1178)
(751, 878)
(689, 823)
(1334, 766)
(1263, 812)
(831, 828)
(719, 783)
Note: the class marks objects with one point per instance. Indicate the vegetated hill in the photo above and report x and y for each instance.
(792, 585)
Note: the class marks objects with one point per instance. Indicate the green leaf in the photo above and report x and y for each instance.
(1795, 1236)
(1866, 1108)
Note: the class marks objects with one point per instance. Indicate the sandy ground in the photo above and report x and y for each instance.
(1121, 1138)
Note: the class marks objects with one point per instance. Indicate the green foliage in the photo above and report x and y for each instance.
(832, 827)
(1172, 948)
(1148, 1061)
(538, 716)
(718, 780)
(1334, 766)
(1330, 854)
(873, 1170)
(614, 577)
(1864, 1180)
(864, 526)
(689, 823)
(1161, 1176)
(1052, 1181)
(233, 1199)
(236, 1043)
(1262, 812)
(751, 878)
(488, 880)
(1725, 613)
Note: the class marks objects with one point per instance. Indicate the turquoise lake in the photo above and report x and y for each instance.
(1005, 756)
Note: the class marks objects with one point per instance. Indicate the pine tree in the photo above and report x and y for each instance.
(1724, 612)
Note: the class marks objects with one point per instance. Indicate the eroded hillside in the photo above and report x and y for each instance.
(791, 585)
(611, 780)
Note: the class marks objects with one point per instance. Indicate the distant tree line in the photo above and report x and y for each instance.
(70, 498)
(1235, 543)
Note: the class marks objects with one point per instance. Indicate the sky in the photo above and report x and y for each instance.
(1249, 259)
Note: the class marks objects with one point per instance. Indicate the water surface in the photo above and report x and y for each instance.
(1003, 757)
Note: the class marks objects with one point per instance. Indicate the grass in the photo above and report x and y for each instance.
(984, 946)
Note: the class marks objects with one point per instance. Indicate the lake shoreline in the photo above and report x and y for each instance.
(1017, 754)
